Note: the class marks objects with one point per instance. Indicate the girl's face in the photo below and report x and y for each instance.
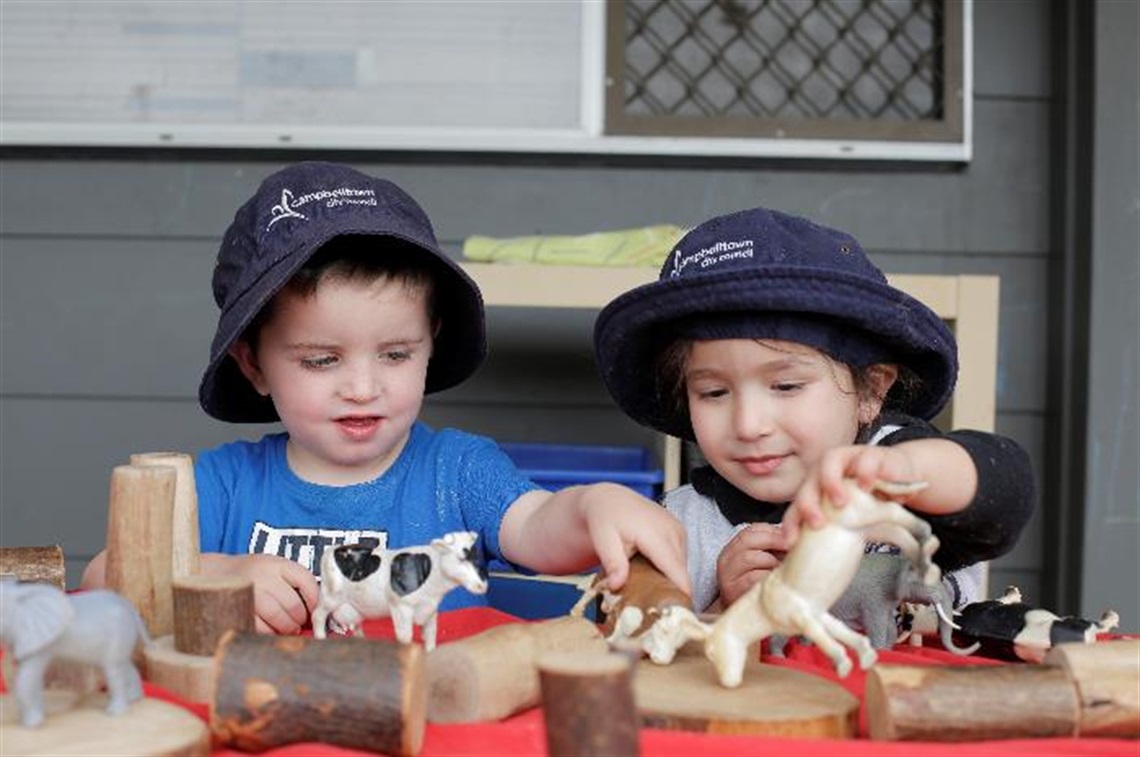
(765, 411)
(345, 369)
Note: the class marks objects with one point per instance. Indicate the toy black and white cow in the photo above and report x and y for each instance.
(358, 582)
(1009, 629)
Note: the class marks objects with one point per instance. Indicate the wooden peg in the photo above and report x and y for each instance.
(588, 705)
(358, 693)
(206, 607)
(139, 541)
(185, 546)
(35, 564)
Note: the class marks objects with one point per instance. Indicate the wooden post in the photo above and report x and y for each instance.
(958, 703)
(357, 693)
(587, 704)
(186, 550)
(35, 564)
(139, 541)
(1107, 678)
(494, 674)
(206, 607)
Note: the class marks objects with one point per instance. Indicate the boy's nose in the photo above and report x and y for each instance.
(361, 386)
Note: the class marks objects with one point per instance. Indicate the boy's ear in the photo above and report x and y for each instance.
(246, 358)
(880, 378)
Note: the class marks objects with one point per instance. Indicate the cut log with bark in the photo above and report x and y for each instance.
(44, 564)
(205, 607)
(1107, 678)
(494, 674)
(357, 693)
(588, 705)
(960, 703)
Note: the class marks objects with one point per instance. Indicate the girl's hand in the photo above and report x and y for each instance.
(284, 592)
(866, 464)
(748, 558)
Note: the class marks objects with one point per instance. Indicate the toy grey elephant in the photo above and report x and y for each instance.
(39, 623)
(882, 582)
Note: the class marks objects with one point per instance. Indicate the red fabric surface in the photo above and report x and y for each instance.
(524, 734)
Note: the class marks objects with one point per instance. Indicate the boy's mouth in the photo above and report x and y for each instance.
(358, 426)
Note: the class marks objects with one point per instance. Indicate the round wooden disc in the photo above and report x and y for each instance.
(771, 701)
(150, 728)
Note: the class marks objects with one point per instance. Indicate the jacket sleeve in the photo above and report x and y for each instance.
(1006, 497)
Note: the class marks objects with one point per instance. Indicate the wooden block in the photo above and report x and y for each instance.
(771, 701)
(205, 607)
(35, 564)
(1107, 679)
(189, 676)
(587, 704)
(493, 674)
(80, 727)
(139, 541)
(357, 693)
(185, 552)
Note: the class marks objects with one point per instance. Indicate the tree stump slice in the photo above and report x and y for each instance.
(35, 564)
(139, 541)
(1107, 677)
(189, 676)
(367, 694)
(930, 703)
(185, 552)
(771, 701)
(79, 726)
(206, 607)
(587, 704)
(493, 674)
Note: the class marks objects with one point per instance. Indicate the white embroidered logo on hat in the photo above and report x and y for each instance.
(283, 210)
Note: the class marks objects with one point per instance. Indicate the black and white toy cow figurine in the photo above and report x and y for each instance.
(359, 582)
(1009, 629)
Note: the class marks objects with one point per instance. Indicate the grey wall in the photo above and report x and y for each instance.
(106, 314)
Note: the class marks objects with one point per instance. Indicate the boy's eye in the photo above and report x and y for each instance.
(397, 356)
(318, 362)
(787, 386)
(711, 394)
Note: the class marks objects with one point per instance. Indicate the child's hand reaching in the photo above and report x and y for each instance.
(864, 463)
(284, 592)
(748, 558)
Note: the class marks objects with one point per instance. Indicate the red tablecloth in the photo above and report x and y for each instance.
(524, 734)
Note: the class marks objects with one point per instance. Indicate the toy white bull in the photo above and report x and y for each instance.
(795, 597)
(359, 582)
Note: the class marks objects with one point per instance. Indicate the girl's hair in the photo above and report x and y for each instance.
(672, 396)
(355, 258)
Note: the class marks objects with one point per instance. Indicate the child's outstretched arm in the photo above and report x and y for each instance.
(945, 466)
(581, 526)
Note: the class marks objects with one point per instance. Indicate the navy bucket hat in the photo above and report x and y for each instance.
(293, 214)
(767, 275)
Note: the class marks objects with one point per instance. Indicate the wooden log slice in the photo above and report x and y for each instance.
(185, 552)
(359, 693)
(35, 564)
(206, 607)
(80, 727)
(771, 701)
(587, 704)
(189, 676)
(1107, 677)
(959, 703)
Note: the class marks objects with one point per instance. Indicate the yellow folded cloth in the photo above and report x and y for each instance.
(646, 246)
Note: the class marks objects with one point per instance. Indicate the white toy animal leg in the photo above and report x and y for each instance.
(402, 621)
(728, 654)
(429, 629)
(856, 641)
(815, 629)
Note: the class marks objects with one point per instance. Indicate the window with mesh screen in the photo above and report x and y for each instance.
(797, 69)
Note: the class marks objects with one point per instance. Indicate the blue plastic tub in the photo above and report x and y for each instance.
(556, 466)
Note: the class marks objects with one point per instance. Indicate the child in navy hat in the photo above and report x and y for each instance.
(782, 351)
(339, 312)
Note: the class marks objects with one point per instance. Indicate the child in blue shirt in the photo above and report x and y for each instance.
(783, 352)
(338, 313)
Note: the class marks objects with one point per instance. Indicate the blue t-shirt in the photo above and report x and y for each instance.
(250, 502)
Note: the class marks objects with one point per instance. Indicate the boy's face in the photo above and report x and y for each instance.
(345, 369)
(764, 412)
